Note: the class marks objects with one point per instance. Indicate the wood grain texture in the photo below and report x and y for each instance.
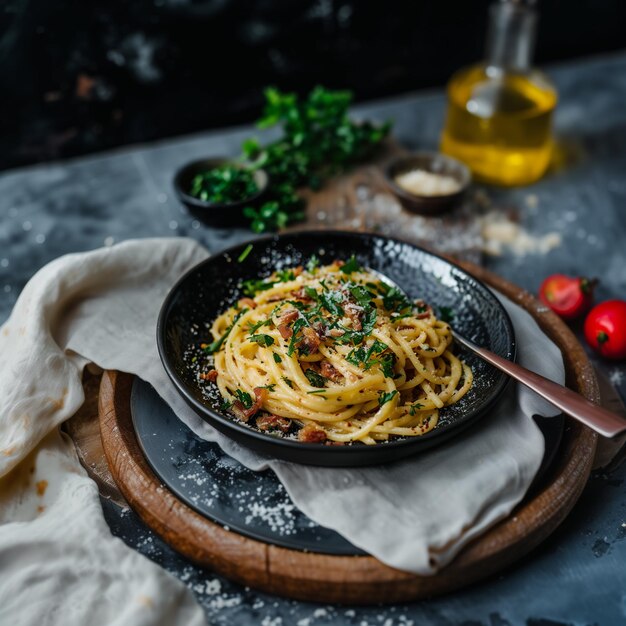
(362, 579)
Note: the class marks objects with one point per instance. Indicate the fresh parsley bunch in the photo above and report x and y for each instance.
(318, 141)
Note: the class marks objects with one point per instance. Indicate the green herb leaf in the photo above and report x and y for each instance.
(218, 343)
(284, 276)
(252, 328)
(244, 255)
(369, 320)
(386, 363)
(253, 286)
(277, 358)
(395, 300)
(351, 265)
(244, 397)
(225, 405)
(446, 314)
(414, 408)
(311, 292)
(361, 295)
(312, 264)
(317, 380)
(330, 301)
(288, 381)
(270, 387)
(262, 340)
(297, 326)
(384, 397)
(223, 185)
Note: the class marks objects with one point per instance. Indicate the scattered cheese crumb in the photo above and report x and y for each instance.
(501, 233)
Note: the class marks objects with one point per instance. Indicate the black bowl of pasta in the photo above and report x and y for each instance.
(333, 348)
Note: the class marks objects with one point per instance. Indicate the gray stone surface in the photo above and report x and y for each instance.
(578, 576)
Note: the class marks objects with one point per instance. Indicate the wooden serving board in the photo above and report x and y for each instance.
(326, 578)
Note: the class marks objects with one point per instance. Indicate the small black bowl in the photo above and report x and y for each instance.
(435, 163)
(212, 286)
(224, 214)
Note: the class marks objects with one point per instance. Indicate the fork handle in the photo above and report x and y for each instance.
(597, 418)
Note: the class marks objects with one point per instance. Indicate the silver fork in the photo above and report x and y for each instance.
(602, 421)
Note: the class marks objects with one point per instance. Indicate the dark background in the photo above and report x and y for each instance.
(78, 77)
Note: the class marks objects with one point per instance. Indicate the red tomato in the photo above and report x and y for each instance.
(605, 329)
(566, 296)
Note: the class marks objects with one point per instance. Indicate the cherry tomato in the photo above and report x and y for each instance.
(566, 296)
(605, 329)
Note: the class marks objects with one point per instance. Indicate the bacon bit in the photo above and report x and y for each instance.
(211, 375)
(310, 433)
(354, 313)
(249, 302)
(339, 262)
(421, 303)
(319, 328)
(285, 331)
(273, 422)
(310, 340)
(260, 396)
(423, 316)
(298, 270)
(329, 371)
(301, 296)
(288, 316)
(335, 332)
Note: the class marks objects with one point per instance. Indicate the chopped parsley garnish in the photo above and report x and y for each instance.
(270, 387)
(317, 380)
(361, 295)
(311, 292)
(415, 407)
(284, 276)
(244, 255)
(277, 358)
(330, 301)
(386, 363)
(351, 265)
(287, 381)
(312, 264)
(244, 397)
(298, 325)
(446, 314)
(262, 340)
(225, 405)
(369, 320)
(254, 327)
(253, 286)
(359, 356)
(395, 300)
(218, 343)
(384, 397)
(317, 391)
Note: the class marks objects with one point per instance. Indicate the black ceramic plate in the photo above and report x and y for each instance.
(250, 503)
(213, 285)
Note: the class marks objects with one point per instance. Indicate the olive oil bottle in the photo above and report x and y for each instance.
(499, 118)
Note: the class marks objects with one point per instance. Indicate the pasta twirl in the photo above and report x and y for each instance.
(335, 354)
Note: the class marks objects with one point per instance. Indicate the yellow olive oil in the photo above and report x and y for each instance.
(499, 118)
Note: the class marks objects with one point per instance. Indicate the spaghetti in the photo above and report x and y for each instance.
(333, 354)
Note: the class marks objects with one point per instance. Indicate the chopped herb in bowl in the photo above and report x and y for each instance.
(224, 185)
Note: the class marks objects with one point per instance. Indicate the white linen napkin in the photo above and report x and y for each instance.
(102, 307)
